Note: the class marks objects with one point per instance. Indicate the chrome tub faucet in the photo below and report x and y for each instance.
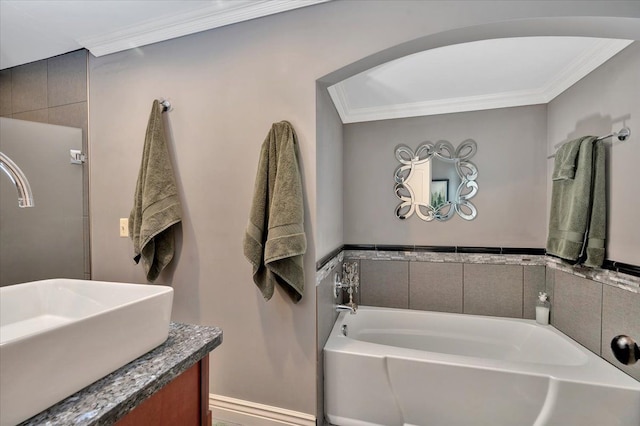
(349, 281)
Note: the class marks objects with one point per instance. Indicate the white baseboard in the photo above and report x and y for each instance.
(247, 413)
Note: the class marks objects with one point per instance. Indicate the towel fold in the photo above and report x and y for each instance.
(275, 241)
(577, 220)
(565, 160)
(156, 206)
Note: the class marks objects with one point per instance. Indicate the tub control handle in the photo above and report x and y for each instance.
(625, 349)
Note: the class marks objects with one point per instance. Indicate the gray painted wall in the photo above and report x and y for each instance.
(603, 102)
(511, 179)
(329, 174)
(228, 85)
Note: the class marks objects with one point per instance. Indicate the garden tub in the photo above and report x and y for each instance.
(390, 367)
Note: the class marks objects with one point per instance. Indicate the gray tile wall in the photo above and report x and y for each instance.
(590, 312)
(387, 283)
(435, 286)
(493, 290)
(52, 91)
(593, 313)
(483, 289)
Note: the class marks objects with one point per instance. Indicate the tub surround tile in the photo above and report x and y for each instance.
(534, 283)
(326, 317)
(113, 396)
(29, 87)
(67, 78)
(626, 268)
(436, 249)
(435, 286)
(326, 259)
(589, 304)
(550, 279)
(359, 247)
(384, 284)
(577, 307)
(484, 250)
(620, 315)
(604, 276)
(494, 290)
(503, 259)
(328, 267)
(524, 250)
(446, 257)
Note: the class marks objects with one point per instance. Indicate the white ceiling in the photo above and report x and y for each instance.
(31, 30)
(485, 74)
(471, 76)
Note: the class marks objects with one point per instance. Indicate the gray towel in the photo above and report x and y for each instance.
(274, 241)
(156, 206)
(577, 221)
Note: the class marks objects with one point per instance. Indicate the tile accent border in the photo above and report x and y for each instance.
(419, 256)
(604, 276)
(328, 266)
(615, 274)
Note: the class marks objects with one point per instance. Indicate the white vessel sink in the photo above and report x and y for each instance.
(58, 336)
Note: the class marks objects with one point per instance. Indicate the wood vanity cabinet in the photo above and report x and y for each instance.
(184, 401)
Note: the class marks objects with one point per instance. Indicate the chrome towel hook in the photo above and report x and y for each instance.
(166, 105)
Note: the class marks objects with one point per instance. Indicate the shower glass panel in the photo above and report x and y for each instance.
(47, 240)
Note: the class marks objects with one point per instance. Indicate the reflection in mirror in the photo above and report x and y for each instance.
(436, 181)
(47, 240)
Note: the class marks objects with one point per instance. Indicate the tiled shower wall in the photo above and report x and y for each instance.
(52, 91)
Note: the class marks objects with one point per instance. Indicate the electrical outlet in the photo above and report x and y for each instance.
(124, 227)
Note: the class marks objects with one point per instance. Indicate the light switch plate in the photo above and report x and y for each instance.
(124, 227)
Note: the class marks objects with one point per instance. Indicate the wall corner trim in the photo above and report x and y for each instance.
(240, 411)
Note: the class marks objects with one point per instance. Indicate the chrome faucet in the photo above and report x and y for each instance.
(350, 282)
(351, 307)
(17, 176)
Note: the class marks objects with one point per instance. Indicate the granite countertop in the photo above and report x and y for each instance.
(110, 398)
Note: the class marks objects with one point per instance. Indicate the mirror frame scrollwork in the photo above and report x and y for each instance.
(444, 151)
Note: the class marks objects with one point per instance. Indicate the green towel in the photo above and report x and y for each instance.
(156, 206)
(565, 160)
(578, 216)
(274, 241)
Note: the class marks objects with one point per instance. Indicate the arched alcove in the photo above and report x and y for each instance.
(603, 27)
(330, 161)
(329, 184)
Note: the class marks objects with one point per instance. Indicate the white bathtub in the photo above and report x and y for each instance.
(402, 367)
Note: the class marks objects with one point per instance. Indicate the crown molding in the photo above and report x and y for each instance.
(179, 25)
(571, 74)
(583, 65)
(340, 101)
(444, 106)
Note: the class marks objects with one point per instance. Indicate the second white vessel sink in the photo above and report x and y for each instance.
(58, 336)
